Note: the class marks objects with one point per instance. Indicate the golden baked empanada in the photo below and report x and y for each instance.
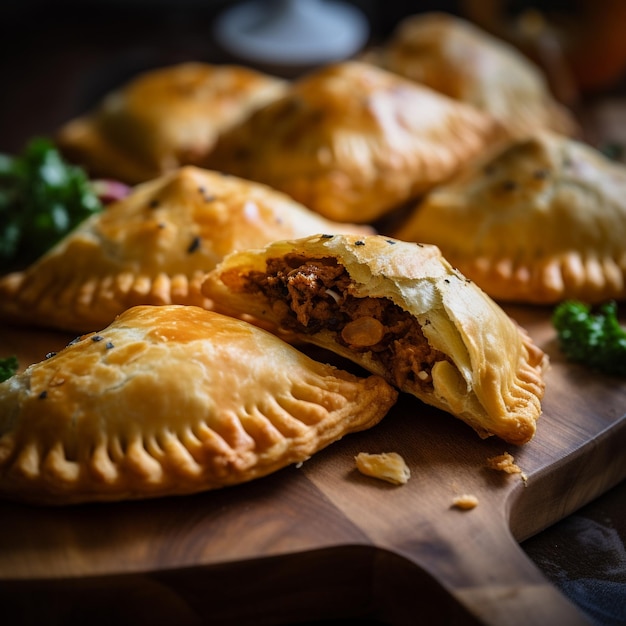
(460, 60)
(399, 310)
(164, 118)
(543, 221)
(172, 400)
(153, 247)
(352, 141)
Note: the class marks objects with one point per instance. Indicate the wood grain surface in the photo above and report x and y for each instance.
(324, 541)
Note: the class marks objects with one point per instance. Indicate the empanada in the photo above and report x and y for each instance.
(153, 247)
(352, 141)
(399, 310)
(164, 118)
(168, 401)
(543, 221)
(460, 60)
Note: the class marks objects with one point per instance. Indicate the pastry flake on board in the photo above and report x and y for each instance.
(462, 61)
(153, 247)
(168, 401)
(164, 118)
(400, 310)
(353, 141)
(388, 466)
(465, 502)
(542, 221)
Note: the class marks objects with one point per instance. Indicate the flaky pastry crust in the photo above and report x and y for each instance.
(352, 141)
(400, 310)
(153, 247)
(168, 401)
(457, 58)
(164, 118)
(543, 221)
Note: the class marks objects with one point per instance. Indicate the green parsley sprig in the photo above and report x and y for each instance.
(8, 367)
(592, 337)
(42, 198)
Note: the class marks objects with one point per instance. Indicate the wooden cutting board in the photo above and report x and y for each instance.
(322, 540)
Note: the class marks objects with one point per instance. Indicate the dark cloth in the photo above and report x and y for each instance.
(584, 555)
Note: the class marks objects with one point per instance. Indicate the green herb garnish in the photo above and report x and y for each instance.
(613, 150)
(42, 198)
(8, 367)
(594, 338)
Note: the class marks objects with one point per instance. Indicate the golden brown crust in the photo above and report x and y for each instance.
(458, 59)
(492, 373)
(543, 221)
(164, 118)
(352, 141)
(172, 400)
(153, 247)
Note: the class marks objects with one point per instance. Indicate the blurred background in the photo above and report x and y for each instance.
(59, 58)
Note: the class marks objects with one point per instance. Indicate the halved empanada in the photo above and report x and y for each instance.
(399, 310)
(352, 141)
(153, 247)
(543, 221)
(458, 59)
(168, 401)
(164, 118)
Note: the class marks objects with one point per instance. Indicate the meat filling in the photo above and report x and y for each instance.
(309, 295)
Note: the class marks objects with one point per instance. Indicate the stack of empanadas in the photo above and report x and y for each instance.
(172, 400)
(153, 247)
(164, 118)
(176, 393)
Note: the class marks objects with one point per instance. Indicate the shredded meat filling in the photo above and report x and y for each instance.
(314, 294)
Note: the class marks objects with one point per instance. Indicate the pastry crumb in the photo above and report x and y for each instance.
(465, 502)
(388, 466)
(503, 463)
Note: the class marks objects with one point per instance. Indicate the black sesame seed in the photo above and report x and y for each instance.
(75, 340)
(109, 345)
(359, 243)
(154, 203)
(50, 355)
(97, 338)
(391, 242)
(327, 236)
(194, 245)
(43, 395)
